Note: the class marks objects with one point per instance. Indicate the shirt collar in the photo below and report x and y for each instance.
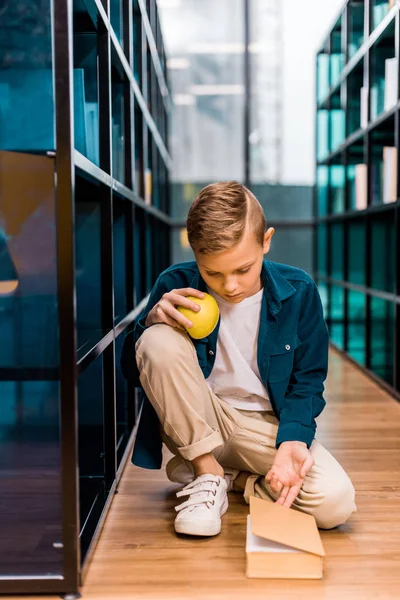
(276, 287)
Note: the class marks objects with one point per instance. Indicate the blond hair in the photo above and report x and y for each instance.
(219, 216)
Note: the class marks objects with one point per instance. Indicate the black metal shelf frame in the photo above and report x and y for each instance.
(128, 217)
(347, 275)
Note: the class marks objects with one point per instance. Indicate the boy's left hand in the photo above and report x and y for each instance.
(293, 461)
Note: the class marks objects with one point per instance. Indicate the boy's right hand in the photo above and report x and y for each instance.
(165, 310)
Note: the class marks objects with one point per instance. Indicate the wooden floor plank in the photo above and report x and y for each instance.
(139, 556)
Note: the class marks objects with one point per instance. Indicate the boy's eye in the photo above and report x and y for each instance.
(244, 271)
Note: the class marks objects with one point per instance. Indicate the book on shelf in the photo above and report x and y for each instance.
(391, 83)
(27, 110)
(80, 129)
(364, 107)
(118, 152)
(148, 185)
(361, 186)
(377, 93)
(92, 129)
(389, 174)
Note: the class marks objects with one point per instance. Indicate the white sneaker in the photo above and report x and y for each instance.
(180, 470)
(207, 501)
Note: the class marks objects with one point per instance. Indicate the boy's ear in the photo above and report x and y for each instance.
(267, 239)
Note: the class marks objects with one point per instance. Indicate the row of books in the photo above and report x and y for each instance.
(384, 93)
(383, 179)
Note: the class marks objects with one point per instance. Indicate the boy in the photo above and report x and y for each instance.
(237, 409)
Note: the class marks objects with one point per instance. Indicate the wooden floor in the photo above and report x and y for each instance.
(140, 557)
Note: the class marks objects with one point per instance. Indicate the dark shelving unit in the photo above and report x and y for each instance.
(357, 201)
(84, 106)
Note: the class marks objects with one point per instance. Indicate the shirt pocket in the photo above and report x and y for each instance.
(281, 358)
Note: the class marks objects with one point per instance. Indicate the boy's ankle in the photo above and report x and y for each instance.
(207, 464)
(217, 472)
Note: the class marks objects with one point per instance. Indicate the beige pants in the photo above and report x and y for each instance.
(195, 421)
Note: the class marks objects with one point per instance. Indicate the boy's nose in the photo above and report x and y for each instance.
(230, 286)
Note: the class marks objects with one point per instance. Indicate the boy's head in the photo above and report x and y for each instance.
(227, 232)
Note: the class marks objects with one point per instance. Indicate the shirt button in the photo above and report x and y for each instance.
(287, 347)
(211, 353)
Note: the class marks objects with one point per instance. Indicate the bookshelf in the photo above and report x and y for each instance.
(84, 232)
(357, 241)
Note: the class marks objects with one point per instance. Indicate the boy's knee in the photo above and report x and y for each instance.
(160, 344)
(338, 505)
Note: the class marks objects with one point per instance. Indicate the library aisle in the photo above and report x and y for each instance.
(139, 556)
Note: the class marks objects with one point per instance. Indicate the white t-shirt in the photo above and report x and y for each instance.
(235, 377)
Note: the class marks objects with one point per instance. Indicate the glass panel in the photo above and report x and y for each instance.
(356, 26)
(293, 246)
(382, 338)
(322, 190)
(140, 256)
(383, 253)
(337, 56)
(337, 251)
(124, 402)
(116, 16)
(322, 241)
(137, 43)
(322, 134)
(357, 251)
(181, 250)
(354, 87)
(91, 449)
(88, 264)
(384, 164)
(336, 317)
(120, 94)
(121, 213)
(30, 469)
(139, 166)
(337, 187)
(356, 328)
(322, 77)
(323, 292)
(384, 86)
(338, 128)
(380, 9)
(26, 77)
(86, 101)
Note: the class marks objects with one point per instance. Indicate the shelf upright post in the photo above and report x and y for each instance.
(396, 352)
(368, 161)
(107, 261)
(65, 223)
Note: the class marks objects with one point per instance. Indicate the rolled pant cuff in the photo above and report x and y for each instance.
(249, 489)
(201, 447)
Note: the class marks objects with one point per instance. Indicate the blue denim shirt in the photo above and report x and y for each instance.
(292, 353)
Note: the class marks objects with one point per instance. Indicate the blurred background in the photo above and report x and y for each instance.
(215, 88)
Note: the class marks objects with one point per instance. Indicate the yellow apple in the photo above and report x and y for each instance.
(204, 321)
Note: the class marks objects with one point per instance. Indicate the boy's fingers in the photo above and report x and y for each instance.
(178, 300)
(292, 495)
(189, 292)
(307, 466)
(283, 495)
(168, 310)
(276, 485)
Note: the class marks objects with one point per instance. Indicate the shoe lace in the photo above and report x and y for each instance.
(199, 492)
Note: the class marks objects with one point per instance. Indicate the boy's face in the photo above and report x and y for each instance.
(235, 274)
